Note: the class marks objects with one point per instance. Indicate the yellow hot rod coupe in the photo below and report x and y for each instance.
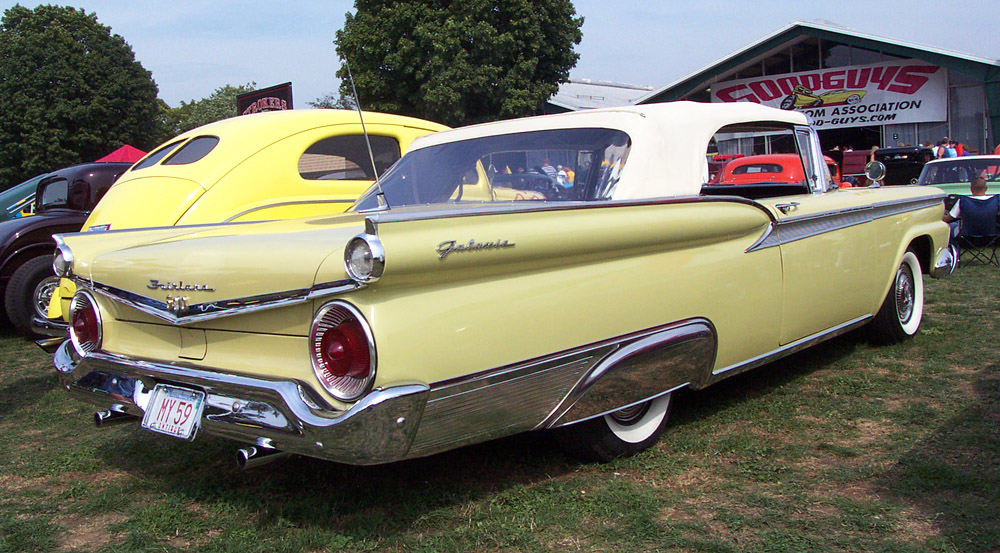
(436, 313)
(265, 166)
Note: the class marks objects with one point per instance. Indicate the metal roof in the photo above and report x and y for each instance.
(580, 94)
(976, 67)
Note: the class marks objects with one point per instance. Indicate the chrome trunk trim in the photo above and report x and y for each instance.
(218, 309)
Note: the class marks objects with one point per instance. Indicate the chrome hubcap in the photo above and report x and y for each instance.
(43, 294)
(630, 415)
(904, 293)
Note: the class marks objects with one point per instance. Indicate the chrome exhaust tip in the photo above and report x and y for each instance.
(255, 456)
(112, 416)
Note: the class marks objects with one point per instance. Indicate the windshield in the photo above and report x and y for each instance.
(551, 165)
(961, 171)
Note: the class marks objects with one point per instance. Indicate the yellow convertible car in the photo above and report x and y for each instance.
(436, 313)
(275, 165)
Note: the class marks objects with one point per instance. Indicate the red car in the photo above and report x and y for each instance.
(771, 168)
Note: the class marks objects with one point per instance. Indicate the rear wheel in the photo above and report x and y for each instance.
(619, 434)
(903, 308)
(28, 293)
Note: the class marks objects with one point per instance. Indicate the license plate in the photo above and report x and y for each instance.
(174, 411)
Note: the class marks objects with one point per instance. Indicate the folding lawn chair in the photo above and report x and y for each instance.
(978, 235)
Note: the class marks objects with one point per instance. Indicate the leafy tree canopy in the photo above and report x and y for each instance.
(221, 104)
(72, 92)
(458, 62)
(331, 101)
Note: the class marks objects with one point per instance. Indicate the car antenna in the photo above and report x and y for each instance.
(382, 203)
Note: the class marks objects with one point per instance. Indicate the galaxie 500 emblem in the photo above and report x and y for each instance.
(445, 248)
(157, 285)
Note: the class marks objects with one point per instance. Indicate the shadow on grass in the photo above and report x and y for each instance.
(953, 476)
(23, 392)
(361, 501)
(26, 372)
(691, 405)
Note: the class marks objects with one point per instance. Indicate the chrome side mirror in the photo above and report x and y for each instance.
(875, 172)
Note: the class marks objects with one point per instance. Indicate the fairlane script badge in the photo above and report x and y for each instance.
(157, 285)
(451, 246)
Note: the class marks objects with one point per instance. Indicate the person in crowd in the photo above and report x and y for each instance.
(561, 178)
(548, 169)
(978, 189)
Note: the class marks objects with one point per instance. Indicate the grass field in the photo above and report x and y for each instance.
(845, 447)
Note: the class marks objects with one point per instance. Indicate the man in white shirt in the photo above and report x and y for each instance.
(978, 189)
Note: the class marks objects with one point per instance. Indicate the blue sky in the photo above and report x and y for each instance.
(193, 47)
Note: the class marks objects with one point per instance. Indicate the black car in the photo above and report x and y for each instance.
(903, 164)
(63, 200)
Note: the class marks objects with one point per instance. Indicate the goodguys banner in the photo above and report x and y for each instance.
(878, 94)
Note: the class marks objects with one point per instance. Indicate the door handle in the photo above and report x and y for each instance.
(785, 208)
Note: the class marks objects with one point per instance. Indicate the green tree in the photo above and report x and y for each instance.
(72, 90)
(458, 62)
(221, 104)
(330, 101)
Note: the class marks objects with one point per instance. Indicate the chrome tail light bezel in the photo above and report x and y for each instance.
(330, 316)
(82, 300)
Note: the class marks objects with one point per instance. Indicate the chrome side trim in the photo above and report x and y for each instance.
(499, 403)
(641, 370)
(405, 214)
(218, 309)
(788, 349)
(283, 204)
(806, 226)
(586, 381)
(282, 413)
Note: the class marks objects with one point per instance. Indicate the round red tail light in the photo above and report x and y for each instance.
(85, 323)
(342, 351)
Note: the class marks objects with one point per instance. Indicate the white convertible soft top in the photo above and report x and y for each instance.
(669, 140)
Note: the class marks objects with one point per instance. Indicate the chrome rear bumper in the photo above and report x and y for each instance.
(271, 413)
(54, 328)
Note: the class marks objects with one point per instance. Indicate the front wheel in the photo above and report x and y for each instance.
(28, 293)
(622, 433)
(903, 308)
